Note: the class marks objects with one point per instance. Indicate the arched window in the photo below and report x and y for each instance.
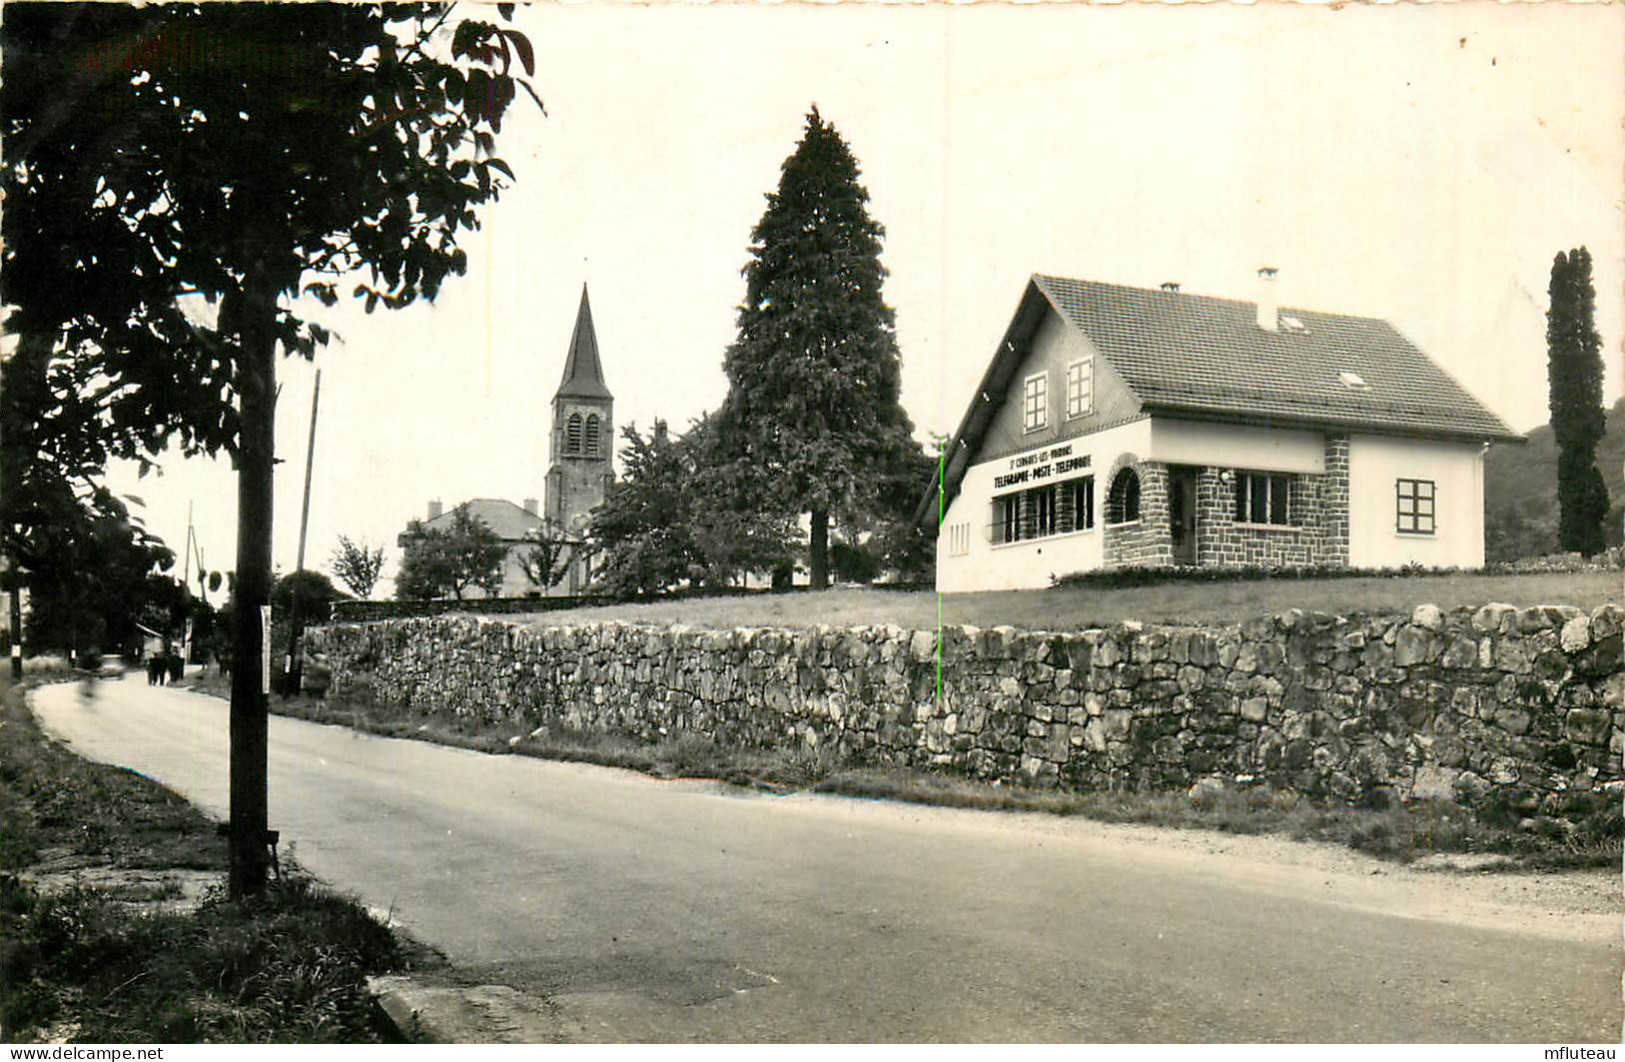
(1123, 500)
(592, 435)
(572, 434)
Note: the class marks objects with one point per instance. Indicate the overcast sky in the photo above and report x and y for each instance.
(1420, 164)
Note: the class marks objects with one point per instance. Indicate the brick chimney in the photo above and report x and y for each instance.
(530, 506)
(435, 509)
(1269, 310)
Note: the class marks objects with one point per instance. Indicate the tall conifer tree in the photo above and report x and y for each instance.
(1574, 368)
(814, 374)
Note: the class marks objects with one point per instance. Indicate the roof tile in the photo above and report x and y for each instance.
(1202, 355)
(510, 522)
(583, 372)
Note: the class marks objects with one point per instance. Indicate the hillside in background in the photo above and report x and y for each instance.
(1520, 490)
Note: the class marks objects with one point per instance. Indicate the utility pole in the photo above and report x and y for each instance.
(14, 577)
(186, 567)
(296, 628)
(10, 460)
(202, 573)
(251, 313)
(186, 584)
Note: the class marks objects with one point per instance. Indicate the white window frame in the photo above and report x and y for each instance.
(1245, 479)
(1007, 522)
(1081, 487)
(1122, 518)
(1037, 513)
(1028, 408)
(1080, 388)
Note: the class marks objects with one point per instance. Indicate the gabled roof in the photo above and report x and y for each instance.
(583, 373)
(1204, 358)
(510, 522)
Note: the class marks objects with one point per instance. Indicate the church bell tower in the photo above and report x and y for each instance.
(583, 440)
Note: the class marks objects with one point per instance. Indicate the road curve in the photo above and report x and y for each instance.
(650, 910)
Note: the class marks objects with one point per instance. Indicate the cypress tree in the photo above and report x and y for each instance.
(1574, 370)
(814, 373)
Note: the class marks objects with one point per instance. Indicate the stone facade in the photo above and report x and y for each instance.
(1334, 503)
(1146, 542)
(1519, 705)
(1222, 543)
(1317, 536)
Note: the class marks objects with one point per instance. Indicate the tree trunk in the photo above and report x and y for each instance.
(253, 312)
(818, 549)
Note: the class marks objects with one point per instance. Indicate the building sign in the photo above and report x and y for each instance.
(1039, 466)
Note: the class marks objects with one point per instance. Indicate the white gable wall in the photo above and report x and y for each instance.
(1029, 563)
(1376, 463)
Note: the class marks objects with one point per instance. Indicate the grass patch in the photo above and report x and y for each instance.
(288, 967)
(52, 799)
(1072, 607)
(98, 965)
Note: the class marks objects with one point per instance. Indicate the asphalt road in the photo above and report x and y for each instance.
(649, 910)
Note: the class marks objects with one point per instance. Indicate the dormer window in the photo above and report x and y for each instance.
(1035, 402)
(1293, 324)
(1353, 381)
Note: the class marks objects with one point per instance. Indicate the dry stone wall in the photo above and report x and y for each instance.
(1518, 705)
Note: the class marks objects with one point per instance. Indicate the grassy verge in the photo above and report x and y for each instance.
(1194, 601)
(1399, 832)
(290, 967)
(99, 965)
(53, 801)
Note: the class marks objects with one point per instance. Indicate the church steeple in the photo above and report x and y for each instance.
(583, 373)
(583, 452)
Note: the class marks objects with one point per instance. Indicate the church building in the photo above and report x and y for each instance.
(1120, 427)
(579, 473)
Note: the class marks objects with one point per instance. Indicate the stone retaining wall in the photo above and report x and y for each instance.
(1520, 705)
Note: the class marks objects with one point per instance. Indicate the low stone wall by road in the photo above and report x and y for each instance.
(1523, 705)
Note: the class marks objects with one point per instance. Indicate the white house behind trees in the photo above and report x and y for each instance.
(1125, 427)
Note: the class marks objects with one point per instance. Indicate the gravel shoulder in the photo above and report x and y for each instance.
(1574, 905)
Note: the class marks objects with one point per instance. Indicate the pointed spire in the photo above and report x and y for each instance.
(583, 374)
